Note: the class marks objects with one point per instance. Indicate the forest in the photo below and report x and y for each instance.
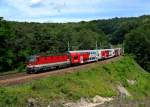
(19, 40)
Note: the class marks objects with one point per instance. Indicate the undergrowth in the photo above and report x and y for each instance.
(98, 79)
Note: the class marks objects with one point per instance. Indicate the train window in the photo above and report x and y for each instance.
(32, 59)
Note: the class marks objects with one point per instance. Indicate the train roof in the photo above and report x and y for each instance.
(92, 50)
(82, 51)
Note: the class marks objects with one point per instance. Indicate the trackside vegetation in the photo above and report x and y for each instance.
(97, 79)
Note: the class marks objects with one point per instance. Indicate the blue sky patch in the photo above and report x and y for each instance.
(71, 10)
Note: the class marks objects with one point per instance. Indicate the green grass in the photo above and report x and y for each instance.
(95, 80)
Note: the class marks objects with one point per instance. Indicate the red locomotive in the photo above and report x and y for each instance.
(39, 63)
(44, 63)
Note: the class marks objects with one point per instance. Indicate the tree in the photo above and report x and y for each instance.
(6, 54)
(124, 28)
(138, 43)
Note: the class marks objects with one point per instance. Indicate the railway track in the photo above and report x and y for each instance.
(20, 78)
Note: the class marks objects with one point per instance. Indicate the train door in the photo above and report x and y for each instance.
(81, 59)
(107, 54)
(75, 57)
(103, 54)
(100, 55)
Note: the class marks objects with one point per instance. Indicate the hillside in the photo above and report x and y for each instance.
(19, 40)
(97, 79)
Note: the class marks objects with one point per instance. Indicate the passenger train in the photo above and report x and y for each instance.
(38, 63)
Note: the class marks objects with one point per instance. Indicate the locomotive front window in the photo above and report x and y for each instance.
(32, 59)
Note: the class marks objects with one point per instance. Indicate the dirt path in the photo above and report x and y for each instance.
(15, 79)
(14, 75)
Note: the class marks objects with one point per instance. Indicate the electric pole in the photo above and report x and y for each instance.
(96, 45)
(68, 46)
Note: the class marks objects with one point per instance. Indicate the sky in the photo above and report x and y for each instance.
(71, 10)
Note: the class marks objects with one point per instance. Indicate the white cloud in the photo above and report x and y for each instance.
(35, 1)
(72, 9)
(49, 8)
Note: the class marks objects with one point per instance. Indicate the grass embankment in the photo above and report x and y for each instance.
(96, 80)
